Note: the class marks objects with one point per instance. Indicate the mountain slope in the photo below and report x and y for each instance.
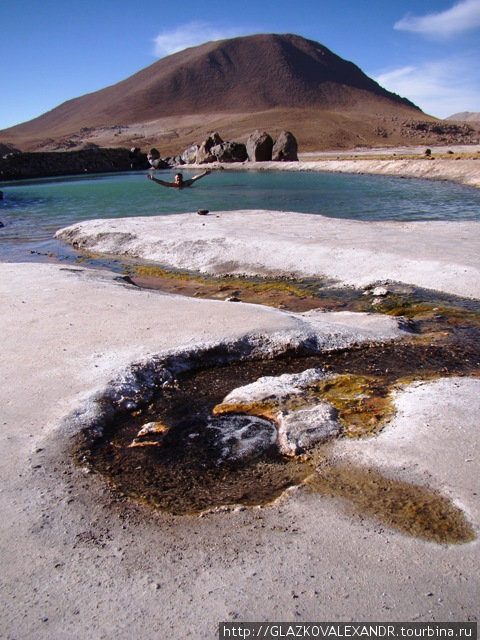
(465, 116)
(241, 75)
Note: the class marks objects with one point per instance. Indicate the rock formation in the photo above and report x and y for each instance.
(204, 154)
(230, 152)
(285, 148)
(259, 146)
(62, 163)
(153, 157)
(189, 155)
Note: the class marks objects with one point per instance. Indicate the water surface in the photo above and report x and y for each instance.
(33, 210)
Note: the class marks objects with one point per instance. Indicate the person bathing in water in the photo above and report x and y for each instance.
(179, 182)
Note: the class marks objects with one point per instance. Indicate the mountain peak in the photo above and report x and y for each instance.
(243, 75)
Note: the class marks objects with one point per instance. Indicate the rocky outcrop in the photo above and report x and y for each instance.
(259, 146)
(214, 149)
(299, 431)
(290, 402)
(16, 166)
(190, 154)
(204, 153)
(7, 148)
(440, 132)
(156, 162)
(285, 148)
(230, 152)
(173, 161)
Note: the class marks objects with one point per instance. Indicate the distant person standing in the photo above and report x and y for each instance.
(179, 182)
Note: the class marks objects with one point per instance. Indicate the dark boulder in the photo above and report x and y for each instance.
(138, 160)
(285, 148)
(229, 152)
(153, 157)
(259, 146)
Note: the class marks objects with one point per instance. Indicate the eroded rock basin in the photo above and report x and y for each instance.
(179, 464)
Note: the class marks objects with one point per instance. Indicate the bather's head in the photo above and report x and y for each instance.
(178, 178)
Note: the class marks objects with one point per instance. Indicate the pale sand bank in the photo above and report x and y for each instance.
(76, 565)
(444, 256)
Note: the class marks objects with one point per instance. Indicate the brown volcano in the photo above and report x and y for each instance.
(268, 81)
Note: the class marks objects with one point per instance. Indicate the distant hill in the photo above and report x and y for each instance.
(236, 85)
(466, 116)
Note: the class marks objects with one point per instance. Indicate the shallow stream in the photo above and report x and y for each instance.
(179, 469)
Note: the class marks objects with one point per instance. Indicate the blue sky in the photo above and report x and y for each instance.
(54, 50)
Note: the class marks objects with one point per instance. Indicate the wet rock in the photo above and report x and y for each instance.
(237, 437)
(380, 292)
(291, 401)
(259, 146)
(272, 391)
(151, 434)
(285, 148)
(299, 431)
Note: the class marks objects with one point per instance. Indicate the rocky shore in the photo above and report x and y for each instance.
(19, 165)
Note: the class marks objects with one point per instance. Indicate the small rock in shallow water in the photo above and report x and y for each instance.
(151, 434)
(301, 430)
(379, 292)
(274, 390)
(239, 436)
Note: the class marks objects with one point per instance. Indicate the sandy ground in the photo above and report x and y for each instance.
(436, 255)
(78, 563)
(412, 150)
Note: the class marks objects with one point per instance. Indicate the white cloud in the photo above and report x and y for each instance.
(463, 16)
(440, 88)
(190, 34)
